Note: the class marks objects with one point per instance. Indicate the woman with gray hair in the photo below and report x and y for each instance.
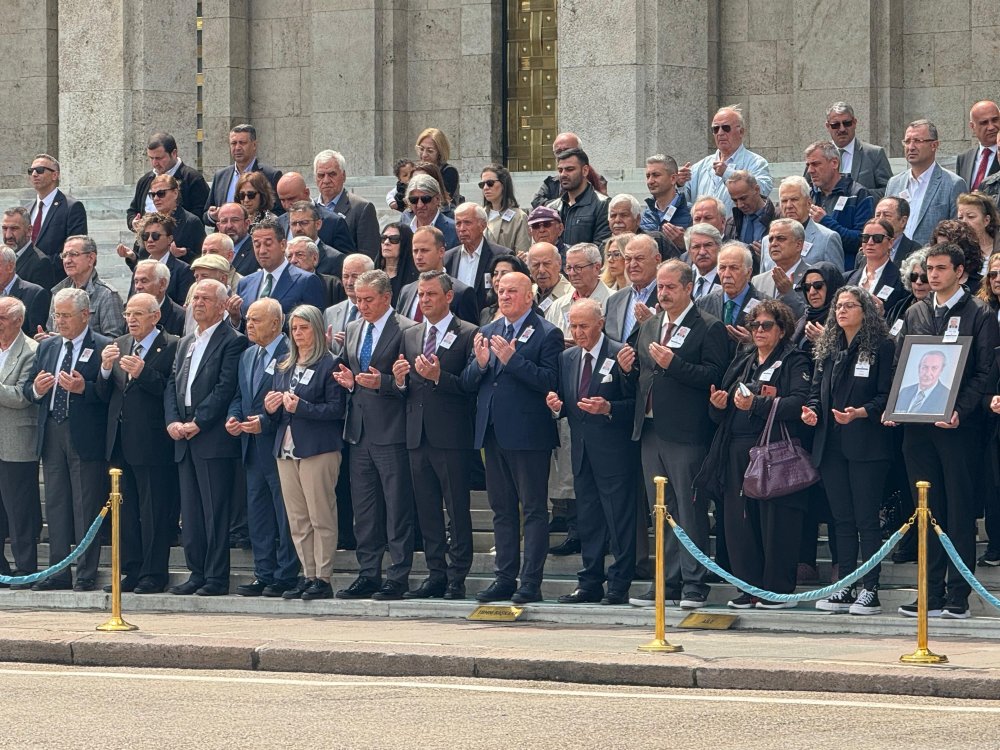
(309, 408)
(913, 273)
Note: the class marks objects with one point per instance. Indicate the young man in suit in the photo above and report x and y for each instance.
(32, 264)
(55, 216)
(243, 150)
(439, 426)
(134, 373)
(515, 364)
(161, 148)
(36, 299)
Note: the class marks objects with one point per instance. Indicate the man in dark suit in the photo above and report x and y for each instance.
(428, 255)
(671, 364)
(305, 221)
(161, 148)
(153, 277)
(72, 421)
(330, 170)
(243, 150)
(878, 275)
(275, 563)
(629, 307)
(202, 384)
(235, 224)
(134, 373)
(515, 364)
(376, 430)
(54, 215)
(592, 397)
(736, 296)
(303, 253)
(980, 161)
(866, 163)
(439, 423)
(277, 278)
(469, 262)
(32, 264)
(36, 300)
(330, 227)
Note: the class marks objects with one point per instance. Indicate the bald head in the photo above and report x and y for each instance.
(291, 188)
(565, 141)
(514, 295)
(544, 263)
(263, 321)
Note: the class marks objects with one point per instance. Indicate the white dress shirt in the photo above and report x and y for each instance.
(468, 265)
(916, 189)
(196, 351)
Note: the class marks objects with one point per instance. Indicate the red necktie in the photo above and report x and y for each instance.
(981, 172)
(36, 226)
(418, 315)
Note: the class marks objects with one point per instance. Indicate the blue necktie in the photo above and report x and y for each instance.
(366, 350)
(258, 369)
(508, 332)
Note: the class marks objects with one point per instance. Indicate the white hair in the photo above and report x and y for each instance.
(632, 201)
(797, 180)
(328, 155)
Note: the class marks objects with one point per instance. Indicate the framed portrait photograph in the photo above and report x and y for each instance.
(925, 385)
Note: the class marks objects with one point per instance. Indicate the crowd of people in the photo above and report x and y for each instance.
(288, 375)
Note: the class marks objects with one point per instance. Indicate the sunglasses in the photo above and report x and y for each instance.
(990, 275)
(487, 183)
(425, 199)
(247, 195)
(922, 277)
(764, 325)
(154, 236)
(876, 238)
(542, 224)
(814, 286)
(842, 125)
(392, 239)
(39, 170)
(725, 128)
(161, 193)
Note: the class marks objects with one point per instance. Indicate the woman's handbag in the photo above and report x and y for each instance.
(777, 468)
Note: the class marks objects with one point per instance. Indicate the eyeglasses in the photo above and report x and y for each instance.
(917, 141)
(425, 199)
(301, 223)
(878, 239)
(160, 193)
(392, 239)
(64, 316)
(577, 269)
(613, 255)
(725, 128)
(154, 236)
(543, 224)
(487, 183)
(39, 170)
(74, 254)
(247, 195)
(814, 286)
(846, 306)
(842, 125)
(764, 325)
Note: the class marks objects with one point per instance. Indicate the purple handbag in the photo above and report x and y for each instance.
(777, 468)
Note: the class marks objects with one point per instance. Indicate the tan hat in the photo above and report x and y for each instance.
(211, 261)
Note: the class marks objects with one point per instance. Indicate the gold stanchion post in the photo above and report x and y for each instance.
(922, 655)
(116, 623)
(659, 642)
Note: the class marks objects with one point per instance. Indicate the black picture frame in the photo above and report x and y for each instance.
(938, 402)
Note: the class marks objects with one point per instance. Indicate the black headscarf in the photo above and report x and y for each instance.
(834, 280)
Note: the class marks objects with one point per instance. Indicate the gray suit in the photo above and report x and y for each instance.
(820, 244)
(764, 283)
(335, 317)
(614, 317)
(870, 167)
(939, 199)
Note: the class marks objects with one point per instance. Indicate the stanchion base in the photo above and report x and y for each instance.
(923, 656)
(117, 624)
(661, 646)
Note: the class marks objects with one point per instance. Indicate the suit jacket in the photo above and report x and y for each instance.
(362, 221)
(336, 318)
(333, 290)
(764, 283)
(966, 165)
(376, 414)
(512, 396)
(318, 422)
(451, 263)
(295, 287)
(194, 193)
(18, 412)
(820, 244)
(680, 392)
(172, 317)
(939, 199)
(212, 390)
(219, 188)
(604, 441)
(614, 317)
(244, 259)
(447, 227)
(181, 279)
(135, 407)
(88, 414)
(331, 260)
(333, 231)
(905, 249)
(67, 217)
(34, 266)
(935, 403)
(439, 416)
(248, 401)
(714, 303)
(36, 302)
(890, 279)
(463, 304)
(870, 167)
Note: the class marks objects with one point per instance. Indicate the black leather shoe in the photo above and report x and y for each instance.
(615, 597)
(427, 590)
(319, 589)
(390, 591)
(212, 589)
(498, 591)
(147, 586)
(570, 546)
(581, 596)
(362, 588)
(185, 589)
(84, 584)
(527, 594)
(51, 584)
(296, 591)
(277, 589)
(254, 588)
(455, 591)
(20, 586)
(128, 585)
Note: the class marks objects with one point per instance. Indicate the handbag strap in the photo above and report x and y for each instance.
(765, 436)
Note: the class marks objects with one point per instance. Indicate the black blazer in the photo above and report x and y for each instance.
(212, 391)
(862, 439)
(194, 193)
(172, 317)
(33, 265)
(966, 165)
(244, 260)
(36, 303)
(463, 304)
(333, 231)
(135, 407)
(219, 188)
(331, 260)
(362, 221)
(440, 416)
(453, 256)
(67, 217)
(88, 414)
(890, 278)
(181, 278)
(318, 421)
(333, 289)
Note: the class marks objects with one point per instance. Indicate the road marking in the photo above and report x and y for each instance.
(376, 682)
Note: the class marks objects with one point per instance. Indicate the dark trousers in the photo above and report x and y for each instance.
(238, 505)
(274, 558)
(383, 509)
(606, 518)
(942, 458)
(206, 494)
(22, 506)
(518, 484)
(818, 512)
(443, 474)
(75, 490)
(854, 490)
(345, 507)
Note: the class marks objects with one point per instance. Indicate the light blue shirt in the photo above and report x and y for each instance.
(704, 180)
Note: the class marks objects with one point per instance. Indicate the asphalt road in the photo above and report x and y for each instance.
(58, 707)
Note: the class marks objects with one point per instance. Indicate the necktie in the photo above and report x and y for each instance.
(430, 343)
(842, 151)
(365, 358)
(60, 402)
(729, 312)
(353, 314)
(700, 288)
(668, 333)
(136, 352)
(418, 315)
(258, 369)
(265, 288)
(634, 299)
(36, 226)
(508, 332)
(585, 377)
(918, 401)
(981, 172)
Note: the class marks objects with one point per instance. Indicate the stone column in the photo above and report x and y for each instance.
(225, 62)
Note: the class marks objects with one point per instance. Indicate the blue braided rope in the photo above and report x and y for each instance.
(805, 596)
(71, 558)
(962, 568)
